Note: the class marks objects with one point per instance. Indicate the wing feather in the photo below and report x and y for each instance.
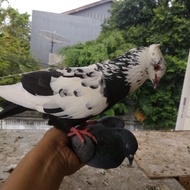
(68, 93)
(37, 83)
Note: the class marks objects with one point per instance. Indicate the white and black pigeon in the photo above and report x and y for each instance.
(70, 96)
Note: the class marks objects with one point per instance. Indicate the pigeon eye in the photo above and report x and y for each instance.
(156, 67)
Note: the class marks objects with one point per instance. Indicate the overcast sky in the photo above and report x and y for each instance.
(54, 6)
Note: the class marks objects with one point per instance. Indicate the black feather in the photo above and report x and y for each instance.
(12, 109)
(38, 83)
(64, 123)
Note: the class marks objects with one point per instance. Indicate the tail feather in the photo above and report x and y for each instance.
(17, 94)
(11, 110)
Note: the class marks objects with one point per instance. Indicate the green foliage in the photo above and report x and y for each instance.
(15, 54)
(168, 23)
(141, 23)
(108, 45)
(128, 13)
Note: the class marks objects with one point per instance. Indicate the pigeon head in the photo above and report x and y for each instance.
(130, 142)
(138, 65)
(156, 66)
(130, 158)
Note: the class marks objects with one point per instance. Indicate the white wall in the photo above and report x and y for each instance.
(183, 119)
(24, 124)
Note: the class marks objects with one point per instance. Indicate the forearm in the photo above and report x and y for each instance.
(44, 167)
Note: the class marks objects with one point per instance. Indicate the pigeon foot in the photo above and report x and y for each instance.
(79, 133)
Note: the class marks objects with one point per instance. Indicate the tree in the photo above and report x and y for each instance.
(15, 57)
(141, 23)
(168, 23)
(128, 13)
(108, 45)
(15, 54)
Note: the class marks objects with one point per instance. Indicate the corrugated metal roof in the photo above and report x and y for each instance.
(87, 6)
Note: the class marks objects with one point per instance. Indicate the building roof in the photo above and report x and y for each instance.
(87, 6)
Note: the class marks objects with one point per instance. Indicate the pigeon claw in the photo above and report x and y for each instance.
(80, 132)
(90, 122)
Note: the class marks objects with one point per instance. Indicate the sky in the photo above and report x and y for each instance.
(54, 6)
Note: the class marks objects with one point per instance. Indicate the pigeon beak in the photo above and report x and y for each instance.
(156, 81)
(130, 158)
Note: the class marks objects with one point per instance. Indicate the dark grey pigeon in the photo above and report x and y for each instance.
(113, 145)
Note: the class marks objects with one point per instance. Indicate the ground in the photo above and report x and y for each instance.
(14, 144)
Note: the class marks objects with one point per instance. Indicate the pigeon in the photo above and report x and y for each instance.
(111, 121)
(114, 144)
(71, 96)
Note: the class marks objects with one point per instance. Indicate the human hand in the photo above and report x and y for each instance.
(45, 166)
(59, 141)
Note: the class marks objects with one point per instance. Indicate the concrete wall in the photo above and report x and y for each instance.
(80, 26)
(75, 28)
(31, 123)
(98, 12)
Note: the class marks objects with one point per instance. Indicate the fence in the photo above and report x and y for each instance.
(33, 120)
(26, 120)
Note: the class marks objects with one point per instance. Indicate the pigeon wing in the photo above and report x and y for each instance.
(38, 83)
(69, 93)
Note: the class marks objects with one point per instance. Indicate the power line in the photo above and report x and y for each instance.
(20, 74)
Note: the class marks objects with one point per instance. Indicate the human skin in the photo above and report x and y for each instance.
(45, 166)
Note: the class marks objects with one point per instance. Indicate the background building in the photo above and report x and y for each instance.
(78, 25)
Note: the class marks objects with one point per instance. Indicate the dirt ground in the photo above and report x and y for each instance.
(14, 144)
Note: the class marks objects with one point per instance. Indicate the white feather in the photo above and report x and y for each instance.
(80, 92)
(73, 106)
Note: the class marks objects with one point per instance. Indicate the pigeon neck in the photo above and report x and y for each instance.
(136, 76)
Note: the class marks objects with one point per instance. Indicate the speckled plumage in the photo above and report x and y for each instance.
(78, 93)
